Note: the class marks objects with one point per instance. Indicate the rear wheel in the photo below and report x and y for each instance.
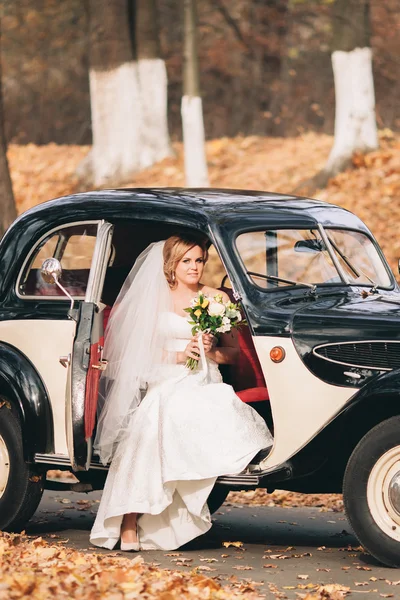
(371, 490)
(20, 486)
(217, 497)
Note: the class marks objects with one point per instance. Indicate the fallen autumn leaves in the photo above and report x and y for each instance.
(370, 188)
(260, 497)
(38, 570)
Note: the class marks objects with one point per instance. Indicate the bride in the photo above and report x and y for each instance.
(168, 431)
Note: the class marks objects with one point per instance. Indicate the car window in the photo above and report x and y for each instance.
(301, 256)
(214, 272)
(358, 257)
(73, 246)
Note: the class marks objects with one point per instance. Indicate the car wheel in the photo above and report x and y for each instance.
(371, 490)
(217, 497)
(21, 488)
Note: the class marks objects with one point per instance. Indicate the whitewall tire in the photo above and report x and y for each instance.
(4, 466)
(371, 490)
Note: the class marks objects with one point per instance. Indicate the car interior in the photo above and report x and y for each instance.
(74, 246)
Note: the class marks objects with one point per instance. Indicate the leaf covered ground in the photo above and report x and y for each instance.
(38, 570)
(33, 568)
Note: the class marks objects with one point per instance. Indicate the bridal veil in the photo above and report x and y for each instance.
(133, 347)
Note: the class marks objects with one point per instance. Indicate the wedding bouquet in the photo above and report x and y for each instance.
(212, 315)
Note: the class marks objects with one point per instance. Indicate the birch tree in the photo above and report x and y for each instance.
(355, 122)
(153, 84)
(191, 109)
(128, 97)
(7, 205)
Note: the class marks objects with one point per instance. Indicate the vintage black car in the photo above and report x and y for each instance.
(320, 359)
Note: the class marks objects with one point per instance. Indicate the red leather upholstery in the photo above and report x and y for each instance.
(246, 376)
(257, 394)
(106, 316)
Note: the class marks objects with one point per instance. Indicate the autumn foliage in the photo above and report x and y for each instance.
(371, 188)
(38, 570)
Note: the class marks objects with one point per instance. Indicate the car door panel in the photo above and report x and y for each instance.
(85, 364)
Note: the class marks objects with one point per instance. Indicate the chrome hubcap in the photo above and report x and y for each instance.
(394, 492)
(383, 493)
(4, 466)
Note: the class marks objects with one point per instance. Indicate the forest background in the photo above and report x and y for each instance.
(265, 67)
(267, 88)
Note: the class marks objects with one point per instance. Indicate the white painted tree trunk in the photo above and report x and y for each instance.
(155, 142)
(194, 142)
(355, 123)
(116, 120)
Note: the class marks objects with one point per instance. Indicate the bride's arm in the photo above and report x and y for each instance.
(192, 350)
(227, 353)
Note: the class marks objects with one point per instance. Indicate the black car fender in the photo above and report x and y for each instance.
(22, 389)
(378, 399)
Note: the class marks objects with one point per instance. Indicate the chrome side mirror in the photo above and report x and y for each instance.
(51, 272)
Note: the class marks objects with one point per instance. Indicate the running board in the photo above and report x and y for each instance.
(258, 478)
(62, 460)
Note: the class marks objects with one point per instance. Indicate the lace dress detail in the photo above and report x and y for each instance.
(189, 428)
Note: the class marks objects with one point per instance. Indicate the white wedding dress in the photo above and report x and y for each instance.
(189, 429)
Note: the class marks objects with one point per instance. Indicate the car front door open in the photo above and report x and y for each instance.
(86, 363)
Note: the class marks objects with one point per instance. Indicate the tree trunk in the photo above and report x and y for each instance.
(155, 142)
(191, 109)
(8, 211)
(355, 123)
(114, 96)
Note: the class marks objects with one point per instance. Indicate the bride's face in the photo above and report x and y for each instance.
(191, 266)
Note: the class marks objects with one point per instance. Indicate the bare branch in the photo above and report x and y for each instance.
(233, 25)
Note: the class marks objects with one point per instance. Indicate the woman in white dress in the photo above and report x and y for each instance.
(168, 431)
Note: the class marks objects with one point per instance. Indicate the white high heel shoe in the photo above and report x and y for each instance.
(131, 546)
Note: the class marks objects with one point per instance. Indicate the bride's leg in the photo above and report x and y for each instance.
(128, 528)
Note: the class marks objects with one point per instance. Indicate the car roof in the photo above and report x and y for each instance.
(202, 206)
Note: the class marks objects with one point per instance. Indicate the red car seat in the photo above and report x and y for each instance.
(246, 376)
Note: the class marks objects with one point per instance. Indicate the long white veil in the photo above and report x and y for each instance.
(133, 347)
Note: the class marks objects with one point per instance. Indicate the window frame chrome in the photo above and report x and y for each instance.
(33, 250)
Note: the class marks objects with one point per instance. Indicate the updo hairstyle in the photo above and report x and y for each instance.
(175, 249)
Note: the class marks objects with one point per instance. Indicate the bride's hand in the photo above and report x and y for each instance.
(209, 341)
(192, 350)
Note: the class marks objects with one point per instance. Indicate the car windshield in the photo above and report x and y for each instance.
(282, 257)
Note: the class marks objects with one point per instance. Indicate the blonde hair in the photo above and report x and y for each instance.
(175, 249)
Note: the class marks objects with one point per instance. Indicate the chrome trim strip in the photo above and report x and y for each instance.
(56, 298)
(99, 262)
(64, 460)
(346, 364)
(239, 480)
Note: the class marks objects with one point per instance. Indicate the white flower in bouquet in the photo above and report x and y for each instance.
(233, 313)
(216, 309)
(226, 325)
